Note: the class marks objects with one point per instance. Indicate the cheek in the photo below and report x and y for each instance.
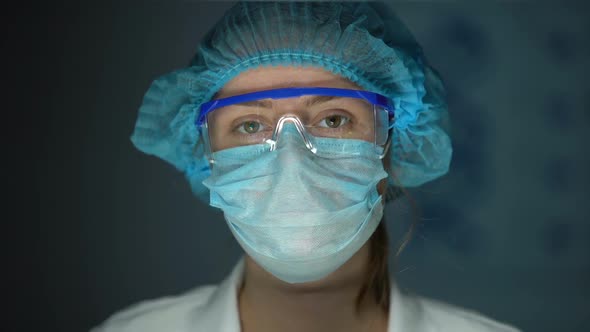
(216, 140)
(219, 135)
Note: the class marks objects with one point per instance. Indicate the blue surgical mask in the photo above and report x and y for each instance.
(299, 215)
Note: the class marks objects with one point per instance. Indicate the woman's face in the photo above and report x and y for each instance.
(267, 78)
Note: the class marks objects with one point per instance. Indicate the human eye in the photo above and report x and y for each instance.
(334, 121)
(250, 127)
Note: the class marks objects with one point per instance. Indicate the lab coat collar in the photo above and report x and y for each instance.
(221, 312)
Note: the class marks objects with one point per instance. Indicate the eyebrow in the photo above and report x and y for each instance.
(267, 103)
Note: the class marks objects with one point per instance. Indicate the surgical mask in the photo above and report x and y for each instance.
(299, 214)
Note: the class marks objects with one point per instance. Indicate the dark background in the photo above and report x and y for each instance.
(92, 225)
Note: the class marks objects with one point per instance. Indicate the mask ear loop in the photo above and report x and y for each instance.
(300, 128)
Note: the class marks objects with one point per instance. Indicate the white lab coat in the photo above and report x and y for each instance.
(214, 309)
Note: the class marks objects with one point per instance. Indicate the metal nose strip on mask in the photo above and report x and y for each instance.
(300, 128)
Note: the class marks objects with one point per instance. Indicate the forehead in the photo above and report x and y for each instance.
(266, 78)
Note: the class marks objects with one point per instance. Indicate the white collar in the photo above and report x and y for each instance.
(221, 312)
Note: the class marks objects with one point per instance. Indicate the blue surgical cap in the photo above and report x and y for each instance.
(364, 42)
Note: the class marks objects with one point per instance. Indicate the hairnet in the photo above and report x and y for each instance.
(364, 42)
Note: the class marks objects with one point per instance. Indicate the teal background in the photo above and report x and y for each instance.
(506, 232)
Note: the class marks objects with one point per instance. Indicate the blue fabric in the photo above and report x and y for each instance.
(363, 42)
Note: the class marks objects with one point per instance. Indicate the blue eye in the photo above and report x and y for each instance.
(334, 121)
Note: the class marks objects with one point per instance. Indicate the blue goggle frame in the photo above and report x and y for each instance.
(372, 97)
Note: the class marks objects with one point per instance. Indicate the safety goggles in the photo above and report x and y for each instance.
(316, 113)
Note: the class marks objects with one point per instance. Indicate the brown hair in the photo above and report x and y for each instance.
(377, 280)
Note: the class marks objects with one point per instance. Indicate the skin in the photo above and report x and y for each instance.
(269, 304)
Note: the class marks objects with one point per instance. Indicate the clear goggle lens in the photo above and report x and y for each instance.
(259, 118)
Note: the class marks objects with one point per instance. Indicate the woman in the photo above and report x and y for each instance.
(297, 120)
